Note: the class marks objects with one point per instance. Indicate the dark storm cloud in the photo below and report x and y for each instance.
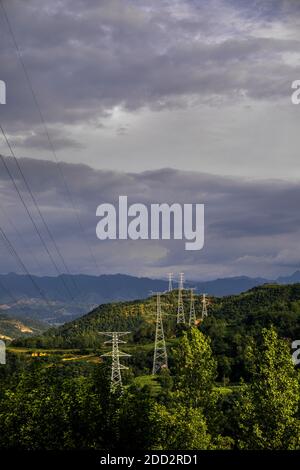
(86, 57)
(268, 9)
(249, 224)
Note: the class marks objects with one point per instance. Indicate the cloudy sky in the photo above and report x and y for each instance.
(166, 101)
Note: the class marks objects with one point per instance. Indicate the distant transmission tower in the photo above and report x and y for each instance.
(192, 318)
(160, 359)
(115, 354)
(180, 308)
(204, 307)
(170, 282)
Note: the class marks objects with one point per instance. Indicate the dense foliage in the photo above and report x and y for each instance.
(48, 405)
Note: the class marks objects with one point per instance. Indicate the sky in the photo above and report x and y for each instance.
(164, 101)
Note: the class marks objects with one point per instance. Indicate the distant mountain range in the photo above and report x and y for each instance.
(90, 291)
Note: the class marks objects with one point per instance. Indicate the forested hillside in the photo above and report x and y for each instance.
(231, 324)
(11, 328)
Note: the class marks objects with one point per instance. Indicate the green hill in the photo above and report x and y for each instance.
(231, 323)
(13, 327)
(136, 316)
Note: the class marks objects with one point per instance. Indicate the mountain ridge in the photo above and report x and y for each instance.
(96, 290)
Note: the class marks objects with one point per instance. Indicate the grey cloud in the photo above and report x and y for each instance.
(249, 223)
(87, 57)
(39, 140)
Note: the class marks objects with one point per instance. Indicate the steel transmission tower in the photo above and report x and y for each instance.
(192, 318)
(160, 359)
(170, 282)
(115, 354)
(180, 308)
(204, 307)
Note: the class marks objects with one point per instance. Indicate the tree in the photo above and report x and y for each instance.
(269, 403)
(195, 369)
(178, 428)
(134, 419)
(51, 409)
(194, 395)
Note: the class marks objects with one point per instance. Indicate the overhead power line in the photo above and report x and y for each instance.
(27, 246)
(15, 254)
(51, 146)
(8, 292)
(36, 228)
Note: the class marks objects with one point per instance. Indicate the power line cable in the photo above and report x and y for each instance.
(21, 238)
(14, 300)
(15, 254)
(34, 200)
(26, 207)
(51, 146)
(8, 292)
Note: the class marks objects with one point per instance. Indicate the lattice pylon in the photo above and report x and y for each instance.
(160, 359)
(115, 354)
(192, 317)
(180, 307)
(170, 282)
(204, 307)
